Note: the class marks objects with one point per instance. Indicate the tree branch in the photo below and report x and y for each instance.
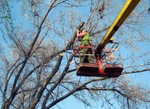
(45, 83)
(57, 82)
(136, 71)
(13, 91)
(79, 88)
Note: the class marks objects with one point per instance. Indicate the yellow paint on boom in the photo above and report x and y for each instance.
(123, 14)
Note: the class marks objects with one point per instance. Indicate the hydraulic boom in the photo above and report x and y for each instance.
(123, 14)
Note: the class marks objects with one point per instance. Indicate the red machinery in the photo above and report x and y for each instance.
(99, 67)
(105, 65)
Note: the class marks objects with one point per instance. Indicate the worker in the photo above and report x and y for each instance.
(101, 9)
(85, 38)
(110, 56)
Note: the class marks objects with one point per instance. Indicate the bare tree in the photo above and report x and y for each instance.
(36, 69)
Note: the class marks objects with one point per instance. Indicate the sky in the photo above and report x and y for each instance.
(70, 102)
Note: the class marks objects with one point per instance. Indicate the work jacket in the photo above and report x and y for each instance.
(85, 40)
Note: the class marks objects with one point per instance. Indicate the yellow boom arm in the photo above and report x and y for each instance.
(123, 14)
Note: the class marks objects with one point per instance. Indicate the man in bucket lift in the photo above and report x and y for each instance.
(108, 52)
(85, 38)
(110, 55)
